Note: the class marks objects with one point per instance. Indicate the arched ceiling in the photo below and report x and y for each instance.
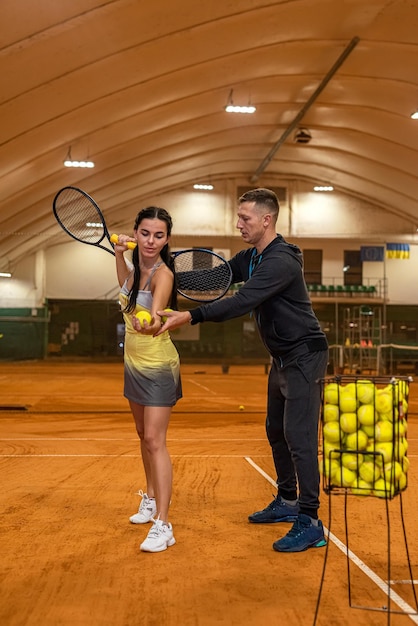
(141, 87)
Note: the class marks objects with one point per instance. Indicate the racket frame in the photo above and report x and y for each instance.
(100, 215)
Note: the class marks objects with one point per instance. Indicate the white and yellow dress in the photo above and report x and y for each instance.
(152, 364)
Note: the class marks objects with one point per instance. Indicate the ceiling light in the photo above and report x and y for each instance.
(5, 275)
(414, 116)
(205, 187)
(302, 135)
(69, 162)
(235, 108)
(323, 188)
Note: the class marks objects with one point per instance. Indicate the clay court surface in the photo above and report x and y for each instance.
(70, 468)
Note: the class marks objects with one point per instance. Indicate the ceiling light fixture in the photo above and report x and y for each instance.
(5, 275)
(234, 108)
(69, 162)
(323, 188)
(303, 135)
(414, 116)
(202, 186)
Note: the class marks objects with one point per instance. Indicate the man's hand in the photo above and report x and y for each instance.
(175, 319)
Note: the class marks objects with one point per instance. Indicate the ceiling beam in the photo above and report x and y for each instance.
(305, 108)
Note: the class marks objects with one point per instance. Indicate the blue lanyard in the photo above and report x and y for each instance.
(254, 261)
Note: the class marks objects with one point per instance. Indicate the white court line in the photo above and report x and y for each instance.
(124, 439)
(203, 387)
(355, 559)
(123, 456)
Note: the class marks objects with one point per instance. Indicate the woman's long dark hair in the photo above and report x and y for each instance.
(152, 213)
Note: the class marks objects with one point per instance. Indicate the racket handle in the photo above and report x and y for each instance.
(115, 239)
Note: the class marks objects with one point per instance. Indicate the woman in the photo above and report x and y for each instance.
(152, 369)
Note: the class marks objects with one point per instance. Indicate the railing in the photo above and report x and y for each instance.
(372, 288)
(367, 291)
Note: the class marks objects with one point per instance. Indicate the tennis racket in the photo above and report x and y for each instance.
(80, 217)
(201, 275)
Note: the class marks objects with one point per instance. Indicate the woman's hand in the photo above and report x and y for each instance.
(122, 241)
(146, 328)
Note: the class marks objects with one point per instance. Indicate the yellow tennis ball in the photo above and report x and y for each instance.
(357, 440)
(385, 450)
(328, 467)
(143, 316)
(348, 402)
(331, 413)
(351, 460)
(401, 448)
(383, 489)
(366, 414)
(369, 472)
(365, 391)
(383, 401)
(402, 482)
(392, 471)
(361, 488)
(400, 428)
(344, 476)
(405, 464)
(369, 430)
(332, 432)
(384, 431)
(331, 393)
(164, 317)
(348, 422)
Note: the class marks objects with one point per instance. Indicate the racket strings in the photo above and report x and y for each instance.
(202, 274)
(79, 216)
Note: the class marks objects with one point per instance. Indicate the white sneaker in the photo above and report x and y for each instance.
(160, 537)
(147, 509)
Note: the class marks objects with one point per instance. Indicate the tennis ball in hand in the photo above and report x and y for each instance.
(164, 317)
(143, 316)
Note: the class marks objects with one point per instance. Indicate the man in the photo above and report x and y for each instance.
(275, 290)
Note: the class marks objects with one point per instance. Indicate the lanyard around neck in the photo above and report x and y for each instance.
(254, 261)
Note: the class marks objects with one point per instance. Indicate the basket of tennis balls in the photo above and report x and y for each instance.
(364, 435)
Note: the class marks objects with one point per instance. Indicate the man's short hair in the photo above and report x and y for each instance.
(262, 197)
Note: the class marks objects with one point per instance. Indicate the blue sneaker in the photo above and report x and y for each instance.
(276, 511)
(301, 536)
